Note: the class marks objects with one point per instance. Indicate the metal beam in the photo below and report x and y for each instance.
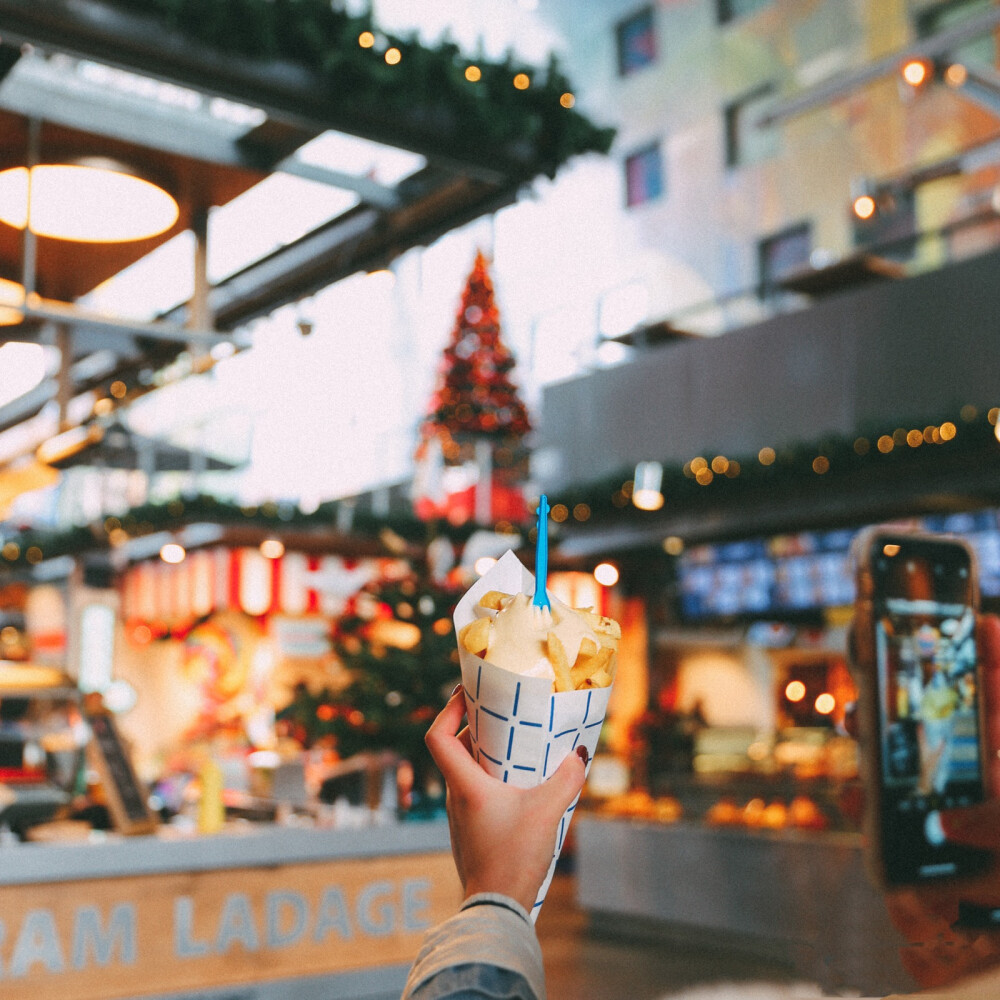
(931, 48)
(37, 91)
(94, 30)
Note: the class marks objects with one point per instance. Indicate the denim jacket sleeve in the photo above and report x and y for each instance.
(488, 949)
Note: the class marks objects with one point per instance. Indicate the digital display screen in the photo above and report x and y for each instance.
(928, 712)
(807, 571)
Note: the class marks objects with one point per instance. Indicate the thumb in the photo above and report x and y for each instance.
(559, 791)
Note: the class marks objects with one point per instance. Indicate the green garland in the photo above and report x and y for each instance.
(608, 500)
(426, 91)
(30, 546)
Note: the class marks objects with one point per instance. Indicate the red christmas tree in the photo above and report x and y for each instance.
(475, 411)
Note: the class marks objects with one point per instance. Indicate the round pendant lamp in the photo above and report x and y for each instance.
(92, 200)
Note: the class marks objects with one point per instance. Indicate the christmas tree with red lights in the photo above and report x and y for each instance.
(475, 411)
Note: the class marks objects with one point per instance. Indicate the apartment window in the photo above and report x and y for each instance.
(636, 38)
(782, 254)
(747, 141)
(644, 175)
(733, 10)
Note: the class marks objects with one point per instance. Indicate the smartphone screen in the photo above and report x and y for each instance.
(928, 702)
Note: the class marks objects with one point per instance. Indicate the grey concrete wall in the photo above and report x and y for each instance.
(908, 352)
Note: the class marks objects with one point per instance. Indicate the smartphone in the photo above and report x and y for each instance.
(920, 699)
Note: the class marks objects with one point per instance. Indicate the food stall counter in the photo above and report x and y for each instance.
(257, 912)
(798, 897)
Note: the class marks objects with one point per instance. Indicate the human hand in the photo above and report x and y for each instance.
(502, 837)
(935, 917)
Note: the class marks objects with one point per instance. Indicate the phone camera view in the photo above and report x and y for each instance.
(929, 699)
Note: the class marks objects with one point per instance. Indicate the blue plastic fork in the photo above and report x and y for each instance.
(543, 608)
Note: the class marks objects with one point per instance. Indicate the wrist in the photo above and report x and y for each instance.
(497, 899)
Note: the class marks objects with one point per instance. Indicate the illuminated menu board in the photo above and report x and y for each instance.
(806, 571)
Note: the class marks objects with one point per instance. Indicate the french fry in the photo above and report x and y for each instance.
(493, 599)
(601, 679)
(476, 635)
(560, 664)
(586, 666)
(587, 648)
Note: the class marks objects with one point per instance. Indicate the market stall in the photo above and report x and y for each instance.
(281, 912)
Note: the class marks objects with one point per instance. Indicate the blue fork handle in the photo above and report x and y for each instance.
(541, 598)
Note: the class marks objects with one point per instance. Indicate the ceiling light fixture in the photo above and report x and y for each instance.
(93, 200)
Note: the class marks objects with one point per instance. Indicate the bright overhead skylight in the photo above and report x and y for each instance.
(361, 157)
(278, 211)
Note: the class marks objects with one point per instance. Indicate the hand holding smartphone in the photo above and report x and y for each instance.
(921, 704)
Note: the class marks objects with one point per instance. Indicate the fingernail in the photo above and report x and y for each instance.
(583, 754)
(458, 687)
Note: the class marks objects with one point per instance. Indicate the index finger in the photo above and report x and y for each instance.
(449, 751)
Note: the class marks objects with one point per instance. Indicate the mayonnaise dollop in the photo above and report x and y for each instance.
(519, 636)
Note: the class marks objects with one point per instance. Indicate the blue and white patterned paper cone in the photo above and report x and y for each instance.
(522, 731)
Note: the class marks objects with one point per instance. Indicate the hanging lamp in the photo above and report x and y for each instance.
(87, 200)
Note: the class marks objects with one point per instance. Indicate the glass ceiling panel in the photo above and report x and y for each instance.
(361, 157)
(278, 211)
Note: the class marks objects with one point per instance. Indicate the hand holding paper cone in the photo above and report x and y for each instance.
(527, 711)
(487, 817)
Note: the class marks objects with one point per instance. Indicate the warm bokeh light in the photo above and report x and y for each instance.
(890, 549)
(473, 74)
(606, 574)
(366, 39)
(821, 465)
(704, 476)
(947, 431)
(673, 545)
(956, 75)
(393, 55)
(915, 72)
(861, 446)
(795, 690)
(559, 512)
(567, 100)
(864, 206)
(885, 444)
(118, 389)
(720, 464)
(172, 553)
(87, 203)
(697, 464)
(825, 703)
(647, 499)
(272, 548)
(766, 456)
(484, 564)
(522, 81)
(581, 512)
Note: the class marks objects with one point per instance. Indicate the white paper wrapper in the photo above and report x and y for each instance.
(522, 731)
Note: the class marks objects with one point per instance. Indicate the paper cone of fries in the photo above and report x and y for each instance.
(521, 729)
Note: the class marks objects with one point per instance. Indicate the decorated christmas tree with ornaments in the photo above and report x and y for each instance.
(476, 422)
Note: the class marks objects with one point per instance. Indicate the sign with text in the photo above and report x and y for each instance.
(150, 935)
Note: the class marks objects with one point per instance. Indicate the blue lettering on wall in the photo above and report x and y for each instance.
(38, 942)
(289, 909)
(376, 914)
(236, 925)
(332, 915)
(185, 945)
(415, 903)
(88, 937)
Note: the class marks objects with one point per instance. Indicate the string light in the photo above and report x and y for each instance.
(473, 74)
(864, 206)
(522, 81)
(393, 56)
(366, 40)
(915, 72)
